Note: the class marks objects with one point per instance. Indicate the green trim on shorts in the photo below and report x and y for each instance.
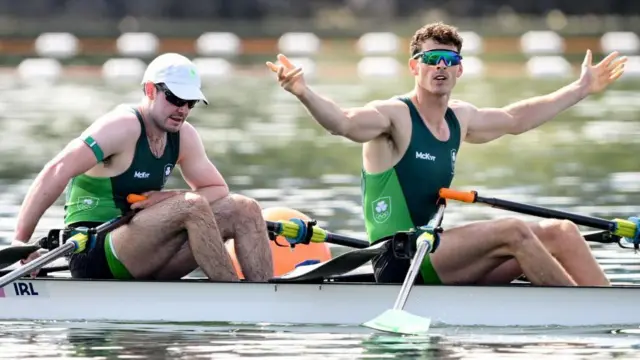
(118, 270)
(428, 273)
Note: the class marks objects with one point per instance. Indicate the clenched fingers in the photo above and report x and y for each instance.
(140, 204)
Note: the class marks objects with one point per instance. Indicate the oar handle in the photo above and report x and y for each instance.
(473, 197)
(134, 198)
(463, 196)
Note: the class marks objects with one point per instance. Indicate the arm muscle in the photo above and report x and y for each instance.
(196, 168)
(75, 159)
(360, 124)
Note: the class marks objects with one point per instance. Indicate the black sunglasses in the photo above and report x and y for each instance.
(174, 100)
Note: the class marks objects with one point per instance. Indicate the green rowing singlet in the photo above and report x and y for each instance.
(405, 196)
(92, 199)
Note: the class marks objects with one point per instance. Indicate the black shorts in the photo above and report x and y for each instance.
(91, 263)
(389, 269)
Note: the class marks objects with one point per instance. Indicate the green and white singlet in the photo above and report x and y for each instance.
(404, 196)
(97, 200)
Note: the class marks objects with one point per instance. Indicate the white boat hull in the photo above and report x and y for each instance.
(329, 303)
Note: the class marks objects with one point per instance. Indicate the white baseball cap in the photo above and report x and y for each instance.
(178, 73)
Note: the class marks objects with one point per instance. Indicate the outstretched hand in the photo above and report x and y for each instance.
(289, 76)
(596, 78)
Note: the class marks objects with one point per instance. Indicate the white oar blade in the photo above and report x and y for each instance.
(400, 322)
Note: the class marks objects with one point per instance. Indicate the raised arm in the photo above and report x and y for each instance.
(487, 124)
(360, 124)
(103, 138)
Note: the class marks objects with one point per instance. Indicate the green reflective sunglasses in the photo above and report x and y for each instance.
(433, 57)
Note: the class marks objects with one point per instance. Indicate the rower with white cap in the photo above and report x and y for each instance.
(133, 150)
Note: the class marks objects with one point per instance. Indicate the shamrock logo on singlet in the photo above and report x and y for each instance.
(167, 173)
(381, 209)
(87, 202)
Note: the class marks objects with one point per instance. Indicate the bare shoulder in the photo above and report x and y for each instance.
(464, 111)
(387, 106)
(462, 106)
(114, 131)
(190, 142)
(393, 109)
(188, 133)
(115, 122)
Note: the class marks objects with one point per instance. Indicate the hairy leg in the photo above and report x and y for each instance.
(240, 218)
(152, 238)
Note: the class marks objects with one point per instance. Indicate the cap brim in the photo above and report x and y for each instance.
(187, 92)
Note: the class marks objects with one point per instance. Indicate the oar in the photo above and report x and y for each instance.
(618, 227)
(297, 231)
(77, 243)
(397, 320)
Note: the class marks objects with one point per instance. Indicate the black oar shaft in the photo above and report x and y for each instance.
(533, 210)
(114, 224)
(347, 241)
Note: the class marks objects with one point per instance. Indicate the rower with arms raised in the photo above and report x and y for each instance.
(410, 147)
(133, 150)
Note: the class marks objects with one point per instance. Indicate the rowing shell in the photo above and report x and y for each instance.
(350, 299)
(331, 293)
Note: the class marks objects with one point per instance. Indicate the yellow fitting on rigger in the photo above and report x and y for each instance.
(426, 236)
(319, 235)
(289, 229)
(625, 228)
(81, 241)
